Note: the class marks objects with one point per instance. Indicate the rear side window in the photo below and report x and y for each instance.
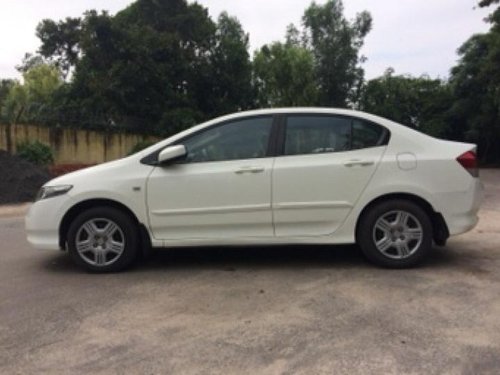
(317, 134)
(314, 134)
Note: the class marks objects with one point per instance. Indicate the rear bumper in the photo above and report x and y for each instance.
(459, 209)
(462, 224)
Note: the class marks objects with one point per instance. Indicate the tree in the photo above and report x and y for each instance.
(156, 66)
(475, 83)
(320, 66)
(5, 87)
(418, 102)
(229, 84)
(133, 69)
(293, 37)
(486, 3)
(160, 53)
(30, 61)
(31, 100)
(476, 87)
(61, 42)
(161, 66)
(335, 43)
(284, 76)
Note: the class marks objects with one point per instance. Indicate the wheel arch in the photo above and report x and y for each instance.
(82, 206)
(440, 229)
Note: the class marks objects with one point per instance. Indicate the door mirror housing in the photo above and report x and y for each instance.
(172, 153)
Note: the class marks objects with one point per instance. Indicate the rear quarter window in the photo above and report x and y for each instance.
(367, 134)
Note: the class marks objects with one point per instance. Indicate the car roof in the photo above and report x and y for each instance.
(292, 110)
(307, 110)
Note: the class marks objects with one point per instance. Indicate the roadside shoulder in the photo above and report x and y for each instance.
(10, 210)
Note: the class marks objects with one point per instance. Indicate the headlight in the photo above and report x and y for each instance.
(52, 191)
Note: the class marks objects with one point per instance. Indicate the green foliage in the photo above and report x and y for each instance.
(486, 3)
(229, 82)
(293, 35)
(161, 66)
(15, 103)
(420, 103)
(28, 101)
(178, 119)
(29, 62)
(36, 153)
(475, 82)
(139, 69)
(5, 87)
(60, 42)
(284, 76)
(139, 146)
(335, 43)
(321, 66)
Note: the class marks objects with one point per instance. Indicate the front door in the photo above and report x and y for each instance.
(221, 191)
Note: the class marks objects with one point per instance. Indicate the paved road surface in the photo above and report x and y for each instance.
(296, 310)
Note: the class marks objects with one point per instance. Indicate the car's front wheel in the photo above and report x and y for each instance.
(103, 239)
(395, 234)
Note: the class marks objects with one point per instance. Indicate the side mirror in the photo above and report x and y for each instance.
(171, 154)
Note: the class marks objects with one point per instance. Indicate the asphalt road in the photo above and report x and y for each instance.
(295, 310)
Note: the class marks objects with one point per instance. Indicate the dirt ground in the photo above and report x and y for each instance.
(284, 310)
(20, 180)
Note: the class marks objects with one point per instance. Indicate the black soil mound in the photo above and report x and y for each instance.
(19, 179)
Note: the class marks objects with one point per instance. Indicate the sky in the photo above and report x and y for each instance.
(412, 36)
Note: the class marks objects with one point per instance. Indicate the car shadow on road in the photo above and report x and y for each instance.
(252, 257)
(230, 258)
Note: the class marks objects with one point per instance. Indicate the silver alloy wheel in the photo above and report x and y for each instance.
(100, 242)
(397, 234)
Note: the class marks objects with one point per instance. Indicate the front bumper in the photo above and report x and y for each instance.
(43, 221)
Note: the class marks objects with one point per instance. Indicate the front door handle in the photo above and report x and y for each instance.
(361, 163)
(249, 170)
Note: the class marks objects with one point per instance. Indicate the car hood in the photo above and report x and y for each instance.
(102, 170)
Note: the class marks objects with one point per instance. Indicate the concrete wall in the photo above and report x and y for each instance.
(72, 146)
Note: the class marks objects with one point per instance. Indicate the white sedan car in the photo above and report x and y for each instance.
(279, 176)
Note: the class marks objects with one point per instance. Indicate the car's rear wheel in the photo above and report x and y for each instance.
(395, 234)
(103, 239)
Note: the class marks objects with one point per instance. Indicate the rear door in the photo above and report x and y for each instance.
(324, 165)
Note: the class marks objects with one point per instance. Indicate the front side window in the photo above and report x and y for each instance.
(239, 139)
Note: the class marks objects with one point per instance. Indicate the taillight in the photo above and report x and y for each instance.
(468, 160)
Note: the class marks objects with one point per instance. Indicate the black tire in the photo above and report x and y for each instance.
(366, 235)
(127, 234)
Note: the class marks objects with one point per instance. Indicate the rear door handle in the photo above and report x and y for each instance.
(361, 163)
(249, 169)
